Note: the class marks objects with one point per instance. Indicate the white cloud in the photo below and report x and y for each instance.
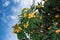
(6, 3)
(36, 1)
(16, 1)
(13, 17)
(25, 3)
(15, 9)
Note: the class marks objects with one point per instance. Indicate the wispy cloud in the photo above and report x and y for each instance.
(6, 3)
(16, 1)
(13, 17)
(25, 3)
(15, 9)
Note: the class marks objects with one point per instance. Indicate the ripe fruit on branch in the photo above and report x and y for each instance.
(57, 16)
(31, 15)
(57, 31)
(55, 23)
(26, 25)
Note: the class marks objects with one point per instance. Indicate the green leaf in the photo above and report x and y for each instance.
(23, 10)
(58, 36)
(53, 36)
(21, 35)
(49, 32)
(45, 37)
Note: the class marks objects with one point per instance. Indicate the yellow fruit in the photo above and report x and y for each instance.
(16, 31)
(26, 25)
(31, 15)
(19, 28)
(25, 15)
(49, 28)
(55, 23)
(40, 17)
(57, 31)
(57, 16)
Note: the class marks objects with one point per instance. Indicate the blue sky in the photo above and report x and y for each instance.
(9, 10)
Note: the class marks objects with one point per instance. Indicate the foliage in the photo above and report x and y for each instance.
(41, 25)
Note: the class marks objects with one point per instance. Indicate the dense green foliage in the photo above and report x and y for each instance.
(43, 24)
